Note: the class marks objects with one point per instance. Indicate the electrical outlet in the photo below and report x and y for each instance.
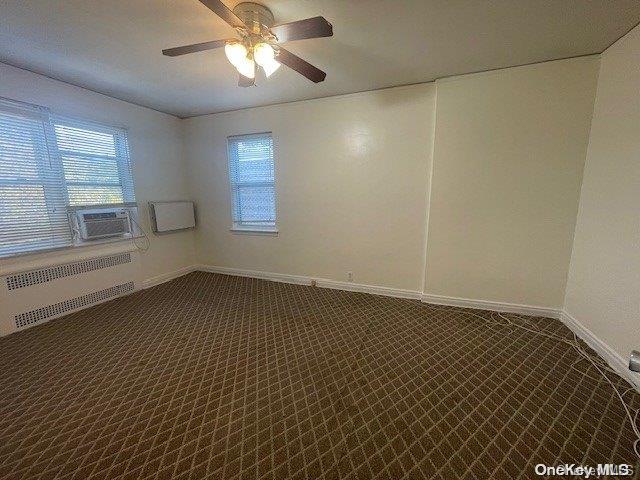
(350, 276)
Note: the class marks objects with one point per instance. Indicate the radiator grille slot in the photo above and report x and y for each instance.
(35, 316)
(44, 275)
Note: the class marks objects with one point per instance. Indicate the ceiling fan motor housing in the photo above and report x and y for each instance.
(256, 17)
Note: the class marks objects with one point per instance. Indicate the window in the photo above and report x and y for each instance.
(48, 164)
(252, 177)
(95, 163)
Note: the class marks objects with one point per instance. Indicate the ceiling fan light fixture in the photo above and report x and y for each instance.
(259, 45)
(263, 54)
(270, 67)
(247, 68)
(236, 53)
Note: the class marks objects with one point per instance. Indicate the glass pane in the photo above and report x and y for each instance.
(255, 171)
(90, 170)
(24, 218)
(80, 140)
(94, 195)
(255, 160)
(18, 158)
(256, 205)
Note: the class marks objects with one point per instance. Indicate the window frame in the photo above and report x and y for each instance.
(121, 144)
(54, 198)
(252, 229)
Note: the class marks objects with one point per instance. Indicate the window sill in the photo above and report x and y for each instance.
(254, 231)
(34, 260)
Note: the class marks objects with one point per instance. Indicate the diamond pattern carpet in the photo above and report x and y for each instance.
(213, 376)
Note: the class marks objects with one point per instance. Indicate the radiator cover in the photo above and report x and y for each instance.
(44, 275)
(52, 311)
(35, 296)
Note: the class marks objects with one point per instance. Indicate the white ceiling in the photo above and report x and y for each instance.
(114, 47)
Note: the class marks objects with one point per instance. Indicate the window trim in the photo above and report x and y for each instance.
(97, 244)
(248, 229)
(54, 198)
(274, 232)
(28, 261)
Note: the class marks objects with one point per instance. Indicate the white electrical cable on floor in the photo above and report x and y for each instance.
(597, 363)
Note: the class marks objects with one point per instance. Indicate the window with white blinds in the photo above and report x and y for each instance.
(95, 162)
(252, 177)
(49, 163)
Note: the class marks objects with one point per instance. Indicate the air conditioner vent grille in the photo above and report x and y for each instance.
(43, 313)
(36, 277)
(107, 228)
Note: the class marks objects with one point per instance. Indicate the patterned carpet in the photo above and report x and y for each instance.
(212, 376)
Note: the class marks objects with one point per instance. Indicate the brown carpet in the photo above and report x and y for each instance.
(220, 377)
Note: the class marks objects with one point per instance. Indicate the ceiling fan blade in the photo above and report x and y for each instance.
(299, 65)
(309, 28)
(220, 9)
(196, 47)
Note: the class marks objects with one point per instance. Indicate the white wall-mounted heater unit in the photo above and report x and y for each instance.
(101, 223)
(172, 216)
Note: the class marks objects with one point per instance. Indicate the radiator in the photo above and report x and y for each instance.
(32, 297)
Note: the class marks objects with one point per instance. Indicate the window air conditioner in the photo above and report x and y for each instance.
(103, 223)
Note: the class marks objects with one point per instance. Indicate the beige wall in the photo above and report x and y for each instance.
(353, 173)
(603, 291)
(351, 183)
(509, 151)
(156, 150)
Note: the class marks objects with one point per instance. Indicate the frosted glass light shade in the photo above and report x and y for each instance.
(263, 54)
(236, 53)
(247, 68)
(270, 68)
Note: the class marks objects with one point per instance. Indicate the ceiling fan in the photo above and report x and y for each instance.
(260, 39)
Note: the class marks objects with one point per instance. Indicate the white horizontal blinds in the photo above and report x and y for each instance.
(95, 162)
(32, 196)
(251, 172)
(48, 163)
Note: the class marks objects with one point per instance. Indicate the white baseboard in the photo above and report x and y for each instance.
(493, 306)
(372, 289)
(306, 280)
(612, 357)
(165, 277)
(274, 277)
(386, 291)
